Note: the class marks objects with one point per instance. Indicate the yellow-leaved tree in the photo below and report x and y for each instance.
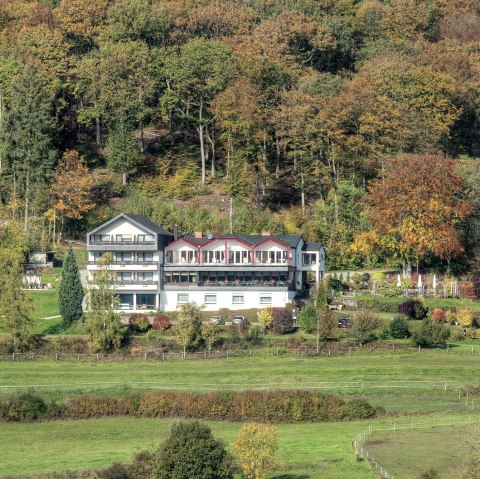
(256, 448)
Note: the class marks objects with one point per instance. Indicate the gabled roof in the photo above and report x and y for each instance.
(139, 221)
(312, 247)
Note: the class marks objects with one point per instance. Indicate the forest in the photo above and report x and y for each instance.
(352, 122)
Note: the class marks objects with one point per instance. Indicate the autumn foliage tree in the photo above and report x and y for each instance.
(71, 189)
(415, 209)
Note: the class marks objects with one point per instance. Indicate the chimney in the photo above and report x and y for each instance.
(198, 235)
(265, 233)
(175, 232)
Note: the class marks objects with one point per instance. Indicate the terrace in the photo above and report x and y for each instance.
(122, 239)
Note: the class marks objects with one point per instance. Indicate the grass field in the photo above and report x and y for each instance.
(440, 449)
(306, 451)
(380, 373)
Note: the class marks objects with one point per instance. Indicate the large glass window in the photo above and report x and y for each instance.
(143, 257)
(101, 238)
(146, 301)
(123, 256)
(145, 238)
(126, 301)
(148, 276)
(309, 259)
(123, 238)
(213, 257)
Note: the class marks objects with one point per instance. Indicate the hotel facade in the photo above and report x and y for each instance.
(158, 271)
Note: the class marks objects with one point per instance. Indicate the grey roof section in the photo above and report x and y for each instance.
(147, 223)
(312, 247)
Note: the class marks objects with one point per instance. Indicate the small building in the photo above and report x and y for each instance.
(159, 271)
(40, 259)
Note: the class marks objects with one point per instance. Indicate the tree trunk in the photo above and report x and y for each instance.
(200, 130)
(124, 176)
(318, 336)
(303, 192)
(98, 132)
(27, 193)
(211, 140)
(142, 138)
(1, 127)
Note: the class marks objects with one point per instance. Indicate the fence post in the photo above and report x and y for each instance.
(163, 356)
(472, 349)
(227, 353)
(13, 356)
(56, 356)
(205, 354)
(78, 357)
(145, 356)
(446, 383)
(97, 358)
(419, 348)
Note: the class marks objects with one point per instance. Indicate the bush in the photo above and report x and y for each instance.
(191, 451)
(25, 407)
(307, 319)
(254, 335)
(400, 328)
(439, 315)
(358, 409)
(161, 322)
(467, 291)
(413, 309)
(466, 317)
(142, 465)
(261, 406)
(365, 325)
(139, 323)
(282, 322)
(115, 471)
(430, 333)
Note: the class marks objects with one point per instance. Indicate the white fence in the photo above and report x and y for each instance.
(442, 422)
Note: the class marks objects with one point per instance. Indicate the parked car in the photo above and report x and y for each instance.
(217, 320)
(344, 322)
(241, 320)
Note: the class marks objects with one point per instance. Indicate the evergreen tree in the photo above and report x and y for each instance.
(70, 294)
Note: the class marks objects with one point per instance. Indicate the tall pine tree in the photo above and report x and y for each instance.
(70, 294)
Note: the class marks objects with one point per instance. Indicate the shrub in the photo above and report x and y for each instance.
(466, 317)
(399, 327)
(191, 451)
(413, 309)
(467, 291)
(254, 335)
(25, 407)
(428, 474)
(256, 447)
(430, 333)
(358, 409)
(476, 284)
(439, 315)
(161, 322)
(265, 318)
(282, 322)
(307, 319)
(365, 325)
(142, 465)
(379, 303)
(139, 323)
(115, 471)
(365, 278)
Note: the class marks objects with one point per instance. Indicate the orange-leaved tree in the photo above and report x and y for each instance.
(71, 189)
(414, 209)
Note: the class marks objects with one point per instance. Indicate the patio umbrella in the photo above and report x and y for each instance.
(434, 282)
(420, 284)
(399, 281)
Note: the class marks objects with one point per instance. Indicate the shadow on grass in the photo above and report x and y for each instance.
(54, 329)
(291, 476)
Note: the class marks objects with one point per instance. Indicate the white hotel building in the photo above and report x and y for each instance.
(158, 271)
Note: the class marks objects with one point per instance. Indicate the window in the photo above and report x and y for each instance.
(126, 301)
(101, 238)
(210, 299)
(265, 299)
(144, 238)
(120, 257)
(146, 301)
(124, 276)
(182, 298)
(238, 299)
(143, 257)
(123, 238)
(145, 276)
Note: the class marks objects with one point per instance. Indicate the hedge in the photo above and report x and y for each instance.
(261, 406)
(383, 304)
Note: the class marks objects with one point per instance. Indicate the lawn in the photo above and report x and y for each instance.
(306, 451)
(374, 370)
(441, 449)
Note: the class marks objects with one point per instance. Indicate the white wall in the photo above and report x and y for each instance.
(121, 226)
(224, 299)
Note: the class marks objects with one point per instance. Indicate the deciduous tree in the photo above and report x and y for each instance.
(188, 325)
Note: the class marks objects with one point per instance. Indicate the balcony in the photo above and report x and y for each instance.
(125, 263)
(121, 242)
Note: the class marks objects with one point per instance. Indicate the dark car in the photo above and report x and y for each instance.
(344, 322)
(242, 320)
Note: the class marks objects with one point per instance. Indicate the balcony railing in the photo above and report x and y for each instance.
(258, 284)
(123, 242)
(125, 263)
(131, 282)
